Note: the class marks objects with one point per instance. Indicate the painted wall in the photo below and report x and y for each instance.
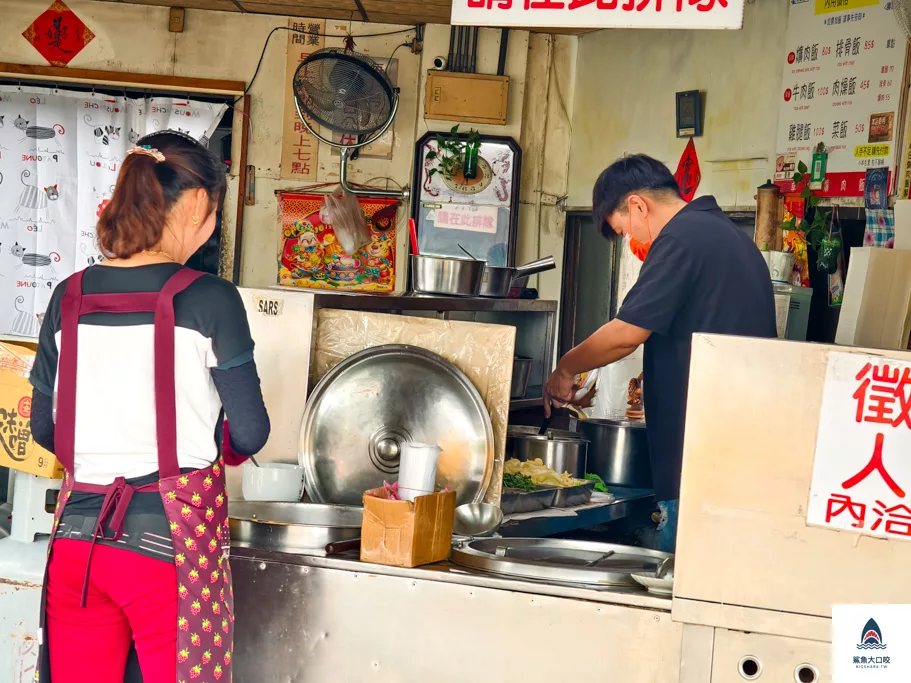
(227, 45)
(624, 101)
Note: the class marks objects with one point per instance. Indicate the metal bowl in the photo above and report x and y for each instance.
(446, 276)
(477, 520)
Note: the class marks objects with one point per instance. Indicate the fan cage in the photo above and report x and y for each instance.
(344, 91)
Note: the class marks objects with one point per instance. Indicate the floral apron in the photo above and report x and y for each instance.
(195, 503)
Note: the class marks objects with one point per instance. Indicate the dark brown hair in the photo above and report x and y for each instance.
(147, 190)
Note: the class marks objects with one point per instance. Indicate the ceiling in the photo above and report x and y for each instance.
(379, 11)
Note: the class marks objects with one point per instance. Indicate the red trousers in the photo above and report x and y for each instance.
(131, 598)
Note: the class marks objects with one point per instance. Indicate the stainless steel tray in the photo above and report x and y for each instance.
(297, 528)
(572, 496)
(514, 501)
(558, 560)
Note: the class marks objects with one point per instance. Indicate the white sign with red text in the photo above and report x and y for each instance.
(472, 217)
(862, 472)
(698, 14)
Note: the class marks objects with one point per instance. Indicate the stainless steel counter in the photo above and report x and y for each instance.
(335, 619)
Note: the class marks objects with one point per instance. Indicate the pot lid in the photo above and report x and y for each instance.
(369, 404)
(526, 432)
(558, 560)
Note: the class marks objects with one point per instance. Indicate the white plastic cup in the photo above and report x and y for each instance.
(417, 470)
(781, 266)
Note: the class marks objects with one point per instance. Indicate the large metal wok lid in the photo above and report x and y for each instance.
(558, 560)
(373, 401)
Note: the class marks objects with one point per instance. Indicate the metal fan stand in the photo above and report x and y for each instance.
(345, 150)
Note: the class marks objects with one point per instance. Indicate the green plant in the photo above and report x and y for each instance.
(450, 152)
(813, 232)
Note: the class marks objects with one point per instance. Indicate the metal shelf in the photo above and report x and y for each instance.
(377, 302)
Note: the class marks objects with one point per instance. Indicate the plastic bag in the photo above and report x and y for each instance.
(343, 212)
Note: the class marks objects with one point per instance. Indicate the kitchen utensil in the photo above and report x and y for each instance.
(496, 280)
(521, 372)
(592, 563)
(545, 425)
(618, 451)
(417, 470)
(666, 569)
(654, 585)
(253, 460)
(477, 519)
(292, 527)
(339, 547)
(467, 253)
(558, 560)
(413, 232)
(273, 481)
(373, 401)
(446, 276)
(559, 453)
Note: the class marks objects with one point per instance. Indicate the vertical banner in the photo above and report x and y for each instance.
(300, 150)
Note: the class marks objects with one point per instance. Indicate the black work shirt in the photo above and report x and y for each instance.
(702, 274)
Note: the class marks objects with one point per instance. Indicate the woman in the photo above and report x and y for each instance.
(139, 554)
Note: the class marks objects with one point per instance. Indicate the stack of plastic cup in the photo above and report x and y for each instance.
(417, 470)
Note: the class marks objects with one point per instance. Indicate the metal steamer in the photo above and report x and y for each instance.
(350, 94)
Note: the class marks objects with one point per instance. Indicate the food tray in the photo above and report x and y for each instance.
(517, 500)
(572, 496)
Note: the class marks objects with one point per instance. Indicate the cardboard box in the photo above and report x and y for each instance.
(18, 449)
(404, 534)
(876, 310)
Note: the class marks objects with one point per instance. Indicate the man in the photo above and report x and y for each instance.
(700, 274)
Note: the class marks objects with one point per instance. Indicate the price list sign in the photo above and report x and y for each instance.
(841, 86)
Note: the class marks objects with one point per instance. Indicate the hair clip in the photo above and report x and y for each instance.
(148, 151)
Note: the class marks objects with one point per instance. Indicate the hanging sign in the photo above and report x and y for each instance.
(699, 14)
(688, 174)
(843, 68)
(861, 472)
(300, 150)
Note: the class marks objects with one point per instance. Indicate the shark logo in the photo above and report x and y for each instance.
(872, 637)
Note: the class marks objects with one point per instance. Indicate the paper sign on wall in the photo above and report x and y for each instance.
(469, 217)
(699, 14)
(861, 472)
(843, 67)
(300, 150)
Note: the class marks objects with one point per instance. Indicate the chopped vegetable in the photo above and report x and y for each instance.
(540, 474)
(518, 481)
(599, 482)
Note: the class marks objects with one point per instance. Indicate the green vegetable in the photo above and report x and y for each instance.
(518, 481)
(599, 482)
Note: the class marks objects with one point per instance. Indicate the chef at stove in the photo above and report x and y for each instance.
(700, 273)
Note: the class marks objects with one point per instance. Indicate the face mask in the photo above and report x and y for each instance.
(639, 249)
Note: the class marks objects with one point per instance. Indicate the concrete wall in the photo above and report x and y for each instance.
(624, 101)
(227, 45)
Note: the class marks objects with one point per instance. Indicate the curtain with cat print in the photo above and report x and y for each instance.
(60, 152)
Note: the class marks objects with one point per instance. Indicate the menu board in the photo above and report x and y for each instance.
(841, 86)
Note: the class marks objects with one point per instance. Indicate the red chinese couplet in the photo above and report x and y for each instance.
(58, 34)
(688, 174)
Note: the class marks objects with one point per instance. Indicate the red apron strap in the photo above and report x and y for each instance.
(139, 302)
(65, 430)
(165, 391)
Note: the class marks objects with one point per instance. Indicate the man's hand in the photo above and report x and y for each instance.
(558, 390)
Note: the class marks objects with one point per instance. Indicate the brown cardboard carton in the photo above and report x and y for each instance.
(18, 449)
(876, 310)
(404, 534)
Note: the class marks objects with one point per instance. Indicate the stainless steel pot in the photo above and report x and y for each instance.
(521, 371)
(561, 451)
(496, 280)
(447, 276)
(618, 452)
